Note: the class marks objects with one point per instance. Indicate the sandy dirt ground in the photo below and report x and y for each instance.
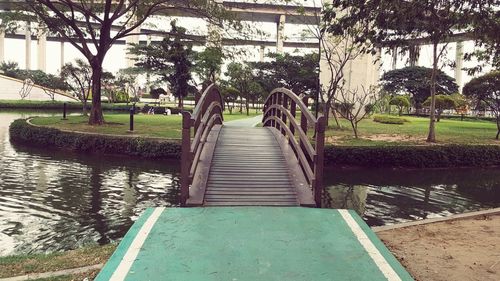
(467, 249)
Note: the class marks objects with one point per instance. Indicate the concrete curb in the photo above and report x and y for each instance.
(33, 276)
(493, 211)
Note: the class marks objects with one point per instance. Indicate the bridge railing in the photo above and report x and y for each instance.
(280, 112)
(195, 129)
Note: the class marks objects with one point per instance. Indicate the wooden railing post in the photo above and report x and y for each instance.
(283, 115)
(319, 160)
(279, 101)
(185, 156)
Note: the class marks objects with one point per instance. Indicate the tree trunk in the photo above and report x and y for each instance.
(439, 115)
(84, 109)
(432, 122)
(247, 107)
(96, 117)
(400, 111)
(241, 104)
(181, 102)
(354, 128)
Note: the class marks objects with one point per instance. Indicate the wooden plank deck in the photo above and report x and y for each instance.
(248, 168)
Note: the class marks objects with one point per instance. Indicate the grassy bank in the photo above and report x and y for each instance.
(413, 132)
(159, 126)
(38, 263)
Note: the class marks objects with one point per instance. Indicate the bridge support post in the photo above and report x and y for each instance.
(262, 53)
(42, 50)
(2, 45)
(280, 34)
(459, 61)
(27, 39)
(62, 53)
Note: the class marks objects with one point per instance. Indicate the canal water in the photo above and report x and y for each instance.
(52, 200)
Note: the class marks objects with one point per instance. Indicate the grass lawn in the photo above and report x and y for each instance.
(160, 126)
(413, 132)
(25, 264)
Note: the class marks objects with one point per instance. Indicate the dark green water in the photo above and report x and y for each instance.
(52, 200)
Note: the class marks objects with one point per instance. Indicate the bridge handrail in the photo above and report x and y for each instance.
(280, 112)
(207, 113)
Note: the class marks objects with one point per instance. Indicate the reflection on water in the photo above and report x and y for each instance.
(58, 200)
(387, 196)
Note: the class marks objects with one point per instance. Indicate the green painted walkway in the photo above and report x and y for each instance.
(251, 243)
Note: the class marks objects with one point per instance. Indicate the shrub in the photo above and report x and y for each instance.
(432, 156)
(389, 120)
(22, 132)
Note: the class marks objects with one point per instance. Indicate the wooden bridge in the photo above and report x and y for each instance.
(273, 165)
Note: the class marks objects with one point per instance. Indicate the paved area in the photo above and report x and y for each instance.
(246, 122)
(251, 243)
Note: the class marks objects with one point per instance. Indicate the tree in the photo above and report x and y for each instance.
(109, 87)
(396, 23)
(241, 78)
(208, 63)
(90, 27)
(401, 102)
(170, 60)
(230, 96)
(355, 105)
(486, 89)
(78, 77)
(415, 80)
(442, 102)
(297, 73)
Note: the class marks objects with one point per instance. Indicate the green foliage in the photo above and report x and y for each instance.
(78, 77)
(400, 101)
(443, 102)
(297, 73)
(242, 79)
(485, 88)
(415, 80)
(22, 132)
(170, 60)
(208, 63)
(485, 91)
(414, 156)
(389, 120)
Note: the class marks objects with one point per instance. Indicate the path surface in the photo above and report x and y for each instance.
(251, 243)
(246, 122)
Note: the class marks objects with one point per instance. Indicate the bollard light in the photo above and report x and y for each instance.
(132, 118)
(64, 111)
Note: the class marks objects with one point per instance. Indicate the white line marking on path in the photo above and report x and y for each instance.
(374, 253)
(123, 268)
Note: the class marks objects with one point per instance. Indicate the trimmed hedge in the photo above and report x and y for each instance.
(389, 120)
(59, 105)
(21, 131)
(432, 156)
